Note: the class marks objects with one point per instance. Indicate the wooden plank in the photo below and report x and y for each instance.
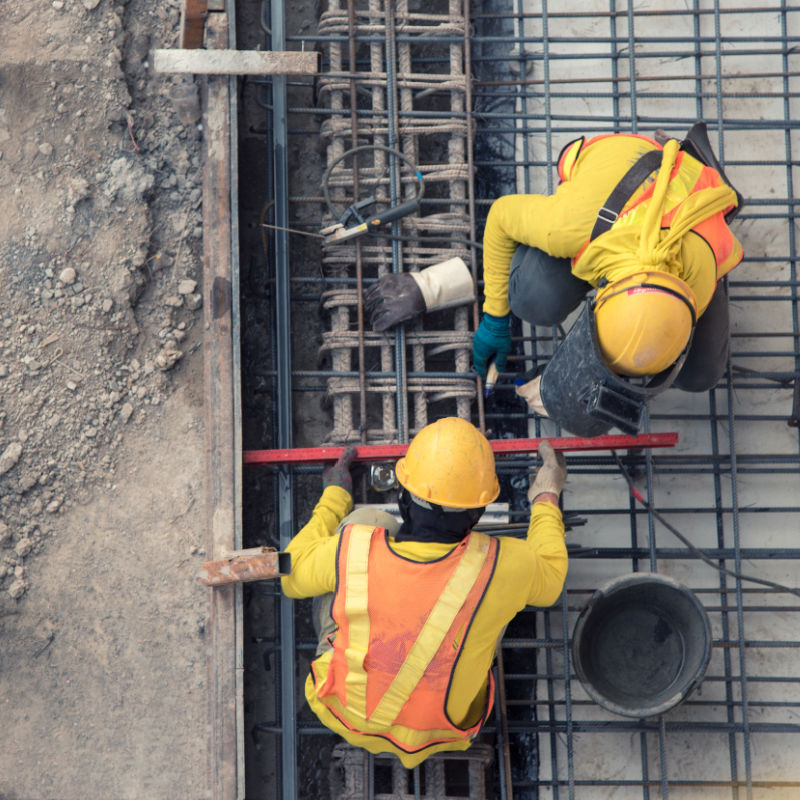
(235, 62)
(253, 564)
(220, 426)
(193, 23)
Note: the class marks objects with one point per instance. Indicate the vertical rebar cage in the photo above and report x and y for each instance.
(397, 93)
(480, 98)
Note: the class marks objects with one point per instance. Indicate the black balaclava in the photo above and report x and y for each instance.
(432, 523)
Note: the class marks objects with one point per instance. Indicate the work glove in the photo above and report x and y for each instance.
(398, 297)
(552, 475)
(531, 393)
(338, 474)
(492, 339)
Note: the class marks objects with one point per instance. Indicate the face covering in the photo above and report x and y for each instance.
(433, 523)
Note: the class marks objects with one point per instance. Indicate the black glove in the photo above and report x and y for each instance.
(339, 473)
(393, 298)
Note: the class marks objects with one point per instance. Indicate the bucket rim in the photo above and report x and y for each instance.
(613, 586)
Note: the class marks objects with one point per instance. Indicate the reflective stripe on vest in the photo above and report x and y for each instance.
(432, 635)
(355, 603)
(688, 177)
(450, 590)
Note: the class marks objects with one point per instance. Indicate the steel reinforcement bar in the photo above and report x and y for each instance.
(395, 84)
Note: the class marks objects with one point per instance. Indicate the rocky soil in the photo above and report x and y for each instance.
(99, 240)
(101, 437)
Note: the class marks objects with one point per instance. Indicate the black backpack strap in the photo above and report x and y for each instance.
(624, 190)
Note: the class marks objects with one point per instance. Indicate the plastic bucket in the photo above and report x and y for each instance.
(641, 644)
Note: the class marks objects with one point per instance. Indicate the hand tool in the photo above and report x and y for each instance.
(388, 452)
(263, 562)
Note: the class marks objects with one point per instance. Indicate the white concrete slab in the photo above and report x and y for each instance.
(742, 75)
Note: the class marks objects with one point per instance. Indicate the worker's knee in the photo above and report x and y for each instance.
(541, 288)
(700, 375)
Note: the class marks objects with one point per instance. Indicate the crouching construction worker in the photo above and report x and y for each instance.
(643, 222)
(409, 615)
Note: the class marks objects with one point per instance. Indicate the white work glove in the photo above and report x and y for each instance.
(531, 393)
(398, 297)
(552, 475)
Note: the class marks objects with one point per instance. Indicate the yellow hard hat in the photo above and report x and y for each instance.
(450, 463)
(644, 322)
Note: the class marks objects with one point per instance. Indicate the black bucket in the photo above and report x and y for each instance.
(641, 644)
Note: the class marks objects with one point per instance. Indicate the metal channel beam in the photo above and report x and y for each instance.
(319, 455)
(283, 327)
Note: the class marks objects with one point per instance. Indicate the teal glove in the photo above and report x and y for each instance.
(493, 338)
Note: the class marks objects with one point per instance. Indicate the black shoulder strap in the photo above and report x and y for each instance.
(623, 191)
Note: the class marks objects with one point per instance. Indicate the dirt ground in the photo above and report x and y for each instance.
(102, 653)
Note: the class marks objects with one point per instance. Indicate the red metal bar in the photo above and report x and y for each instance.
(389, 452)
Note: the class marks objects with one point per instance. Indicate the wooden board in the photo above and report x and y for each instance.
(193, 23)
(220, 426)
(235, 62)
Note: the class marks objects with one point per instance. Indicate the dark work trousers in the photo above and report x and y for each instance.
(543, 291)
(708, 356)
(541, 288)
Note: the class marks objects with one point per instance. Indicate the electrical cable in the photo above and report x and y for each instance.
(696, 550)
(360, 149)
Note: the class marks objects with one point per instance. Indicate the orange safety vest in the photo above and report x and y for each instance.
(401, 629)
(688, 176)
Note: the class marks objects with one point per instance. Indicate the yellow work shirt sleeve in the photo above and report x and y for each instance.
(313, 549)
(536, 220)
(546, 541)
(529, 572)
(699, 269)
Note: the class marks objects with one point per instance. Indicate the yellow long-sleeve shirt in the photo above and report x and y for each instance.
(528, 572)
(560, 224)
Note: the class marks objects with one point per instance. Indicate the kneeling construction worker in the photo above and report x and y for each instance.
(645, 224)
(409, 615)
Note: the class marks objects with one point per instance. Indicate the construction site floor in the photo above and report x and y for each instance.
(104, 690)
(102, 640)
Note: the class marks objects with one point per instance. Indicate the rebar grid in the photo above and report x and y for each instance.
(731, 485)
(543, 74)
(384, 62)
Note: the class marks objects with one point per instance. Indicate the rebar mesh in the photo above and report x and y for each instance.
(484, 98)
(592, 68)
(395, 88)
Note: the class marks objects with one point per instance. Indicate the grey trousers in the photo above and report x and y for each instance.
(324, 626)
(543, 291)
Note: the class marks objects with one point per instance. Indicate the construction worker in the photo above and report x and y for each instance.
(645, 223)
(409, 615)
